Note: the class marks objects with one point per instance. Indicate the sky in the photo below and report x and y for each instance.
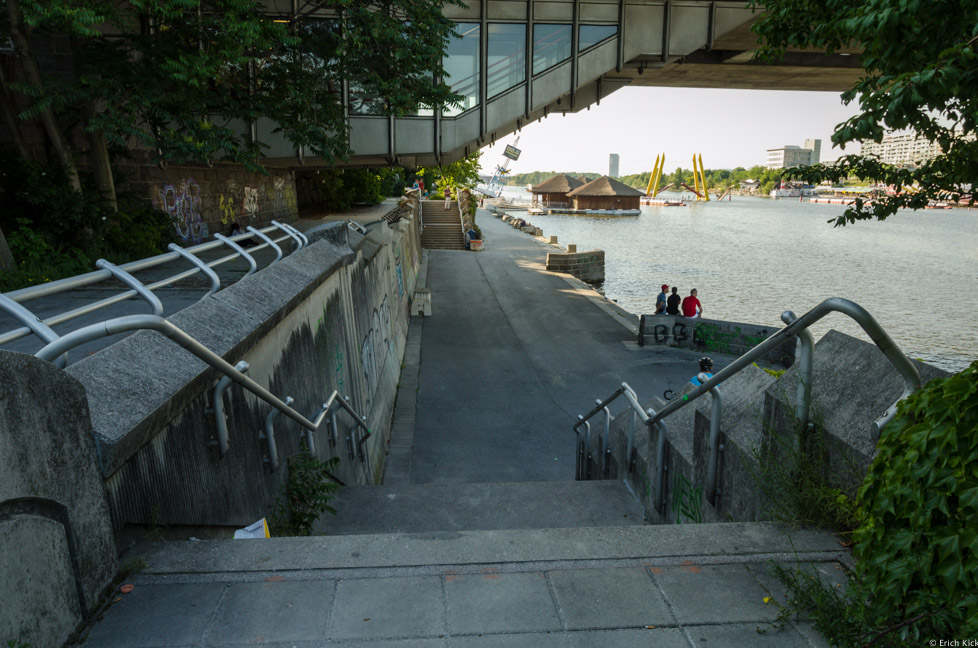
(730, 128)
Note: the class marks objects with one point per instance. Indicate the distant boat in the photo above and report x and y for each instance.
(661, 202)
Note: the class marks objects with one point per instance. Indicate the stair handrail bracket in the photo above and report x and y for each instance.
(56, 348)
(795, 327)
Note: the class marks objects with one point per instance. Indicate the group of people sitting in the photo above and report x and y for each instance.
(666, 304)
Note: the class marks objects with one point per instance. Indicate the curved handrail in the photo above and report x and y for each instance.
(104, 272)
(126, 323)
(795, 326)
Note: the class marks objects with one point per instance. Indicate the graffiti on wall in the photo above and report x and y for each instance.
(285, 194)
(375, 347)
(182, 203)
(250, 204)
(687, 500)
(226, 207)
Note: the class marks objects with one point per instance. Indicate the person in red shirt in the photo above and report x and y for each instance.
(692, 307)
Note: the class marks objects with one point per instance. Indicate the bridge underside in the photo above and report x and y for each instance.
(521, 60)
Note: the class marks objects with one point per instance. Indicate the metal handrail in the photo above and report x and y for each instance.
(796, 326)
(127, 323)
(108, 271)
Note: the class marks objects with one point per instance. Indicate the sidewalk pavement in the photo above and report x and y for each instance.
(666, 586)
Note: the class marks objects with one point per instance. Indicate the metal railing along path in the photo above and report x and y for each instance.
(796, 326)
(13, 302)
(327, 412)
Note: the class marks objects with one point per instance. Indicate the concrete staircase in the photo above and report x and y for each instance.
(442, 228)
(423, 508)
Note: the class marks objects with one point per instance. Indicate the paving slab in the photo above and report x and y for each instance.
(492, 602)
(714, 593)
(388, 608)
(251, 613)
(609, 598)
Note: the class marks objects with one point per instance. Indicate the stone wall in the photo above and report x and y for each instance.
(586, 266)
(203, 202)
(711, 336)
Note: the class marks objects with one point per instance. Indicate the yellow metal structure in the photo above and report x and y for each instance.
(696, 180)
(652, 182)
(706, 192)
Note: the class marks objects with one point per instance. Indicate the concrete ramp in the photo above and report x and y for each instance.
(417, 508)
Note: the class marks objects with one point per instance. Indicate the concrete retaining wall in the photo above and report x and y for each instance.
(711, 336)
(853, 384)
(57, 552)
(321, 319)
(586, 266)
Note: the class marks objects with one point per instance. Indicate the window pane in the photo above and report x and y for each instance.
(506, 66)
(593, 34)
(462, 67)
(364, 103)
(551, 45)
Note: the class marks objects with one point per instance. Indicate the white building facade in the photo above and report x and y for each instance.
(902, 149)
(790, 156)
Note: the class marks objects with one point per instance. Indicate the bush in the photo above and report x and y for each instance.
(306, 494)
(54, 231)
(917, 545)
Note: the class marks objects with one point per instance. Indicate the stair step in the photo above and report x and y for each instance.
(422, 508)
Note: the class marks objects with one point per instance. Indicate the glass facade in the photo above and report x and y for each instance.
(506, 65)
(551, 45)
(591, 35)
(462, 67)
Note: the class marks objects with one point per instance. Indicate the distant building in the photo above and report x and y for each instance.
(613, 165)
(605, 193)
(902, 149)
(553, 191)
(790, 156)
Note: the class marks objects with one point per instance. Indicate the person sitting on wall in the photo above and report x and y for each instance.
(692, 308)
(470, 236)
(706, 369)
(672, 306)
(235, 231)
(660, 301)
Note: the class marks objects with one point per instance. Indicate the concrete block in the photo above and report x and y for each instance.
(853, 384)
(571, 248)
(711, 336)
(58, 551)
(537, 231)
(553, 240)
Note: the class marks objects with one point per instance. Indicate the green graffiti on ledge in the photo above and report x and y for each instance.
(687, 500)
(710, 337)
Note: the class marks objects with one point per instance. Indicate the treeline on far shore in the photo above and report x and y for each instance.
(716, 179)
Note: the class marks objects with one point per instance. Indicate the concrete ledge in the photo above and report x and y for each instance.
(711, 336)
(686, 542)
(139, 383)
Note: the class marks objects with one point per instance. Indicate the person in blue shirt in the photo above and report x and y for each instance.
(660, 301)
(706, 367)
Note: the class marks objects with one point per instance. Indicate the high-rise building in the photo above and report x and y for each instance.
(794, 156)
(613, 165)
(901, 149)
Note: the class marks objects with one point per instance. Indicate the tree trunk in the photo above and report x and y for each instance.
(101, 161)
(20, 34)
(9, 111)
(6, 258)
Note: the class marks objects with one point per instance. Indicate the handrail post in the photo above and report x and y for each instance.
(252, 264)
(270, 434)
(126, 278)
(44, 332)
(197, 261)
(267, 239)
(298, 241)
(606, 441)
(316, 418)
(660, 461)
(713, 467)
(803, 400)
(220, 422)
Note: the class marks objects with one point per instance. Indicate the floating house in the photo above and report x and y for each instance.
(605, 194)
(553, 191)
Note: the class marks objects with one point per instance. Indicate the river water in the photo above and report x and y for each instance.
(750, 259)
